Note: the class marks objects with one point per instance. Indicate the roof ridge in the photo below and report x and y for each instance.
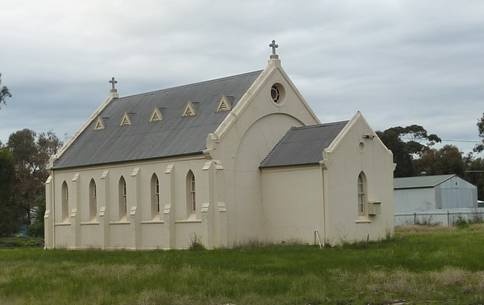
(322, 125)
(191, 84)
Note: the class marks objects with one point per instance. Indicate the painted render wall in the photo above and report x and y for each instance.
(292, 203)
(245, 138)
(344, 160)
(172, 228)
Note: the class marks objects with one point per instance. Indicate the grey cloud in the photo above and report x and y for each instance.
(398, 61)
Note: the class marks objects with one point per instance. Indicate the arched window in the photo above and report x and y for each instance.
(65, 202)
(155, 196)
(191, 196)
(123, 200)
(362, 195)
(92, 200)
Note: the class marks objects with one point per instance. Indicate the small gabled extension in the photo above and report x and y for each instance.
(224, 104)
(189, 110)
(156, 115)
(125, 121)
(99, 124)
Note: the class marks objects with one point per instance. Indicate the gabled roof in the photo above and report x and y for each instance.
(420, 181)
(172, 136)
(303, 145)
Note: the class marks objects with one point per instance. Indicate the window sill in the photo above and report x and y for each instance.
(60, 224)
(87, 223)
(152, 221)
(121, 222)
(363, 220)
(189, 221)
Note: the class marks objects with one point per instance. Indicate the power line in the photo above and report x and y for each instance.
(443, 140)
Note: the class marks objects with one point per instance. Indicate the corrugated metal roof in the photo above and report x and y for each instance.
(420, 181)
(303, 145)
(174, 135)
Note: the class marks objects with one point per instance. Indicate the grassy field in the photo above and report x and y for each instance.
(420, 266)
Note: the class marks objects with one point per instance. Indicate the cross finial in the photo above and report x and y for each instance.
(113, 83)
(274, 46)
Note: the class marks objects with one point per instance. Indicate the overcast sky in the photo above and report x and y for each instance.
(399, 62)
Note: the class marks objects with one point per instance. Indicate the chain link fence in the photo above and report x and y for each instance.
(440, 217)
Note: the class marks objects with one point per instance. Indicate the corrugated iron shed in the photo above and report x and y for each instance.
(420, 181)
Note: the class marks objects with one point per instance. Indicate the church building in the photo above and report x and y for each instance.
(222, 162)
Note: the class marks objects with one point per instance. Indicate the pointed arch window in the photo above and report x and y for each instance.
(92, 200)
(362, 195)
(155, 196)
(191, 194)
(123, 199)
(65, 202)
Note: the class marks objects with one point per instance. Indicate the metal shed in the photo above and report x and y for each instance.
(423, 193)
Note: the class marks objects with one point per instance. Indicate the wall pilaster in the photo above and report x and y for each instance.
(169, 208)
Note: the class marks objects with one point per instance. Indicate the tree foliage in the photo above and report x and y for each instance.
(10, 217)
(4, 92)
(30, 156)
(447, 160)
(480, 127)
(405, 143)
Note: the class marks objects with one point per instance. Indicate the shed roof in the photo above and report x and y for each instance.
(303, 145)
(420, 181)
(173, 135)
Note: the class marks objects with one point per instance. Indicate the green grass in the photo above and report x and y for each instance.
(421, 266)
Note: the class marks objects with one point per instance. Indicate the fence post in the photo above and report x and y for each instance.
(415, 218)
(448, 218)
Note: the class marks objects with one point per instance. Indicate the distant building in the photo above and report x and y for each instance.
(424, 193)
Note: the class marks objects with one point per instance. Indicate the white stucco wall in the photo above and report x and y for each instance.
(245, 139)
(344, 160)
(141, 229)
(292, 203)
(408, 200)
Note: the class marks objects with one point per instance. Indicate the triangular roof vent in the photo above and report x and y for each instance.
(156, 115)
(99, 124)
(125, 121)
(189, 110)
(224, 104)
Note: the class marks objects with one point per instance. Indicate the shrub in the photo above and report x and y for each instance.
(196, 243)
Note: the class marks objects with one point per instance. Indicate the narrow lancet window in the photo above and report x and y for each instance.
(155, 196)
(92, 200)
(191, 195)
(123, 200)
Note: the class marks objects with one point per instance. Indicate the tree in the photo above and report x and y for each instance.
(405, 144)
(9, 214)
(447, 160)
(480, 127)
(4, 92)
(31, 155)
(475, 174)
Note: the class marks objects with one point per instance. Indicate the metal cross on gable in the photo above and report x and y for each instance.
(274, 46)
(113, 83)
